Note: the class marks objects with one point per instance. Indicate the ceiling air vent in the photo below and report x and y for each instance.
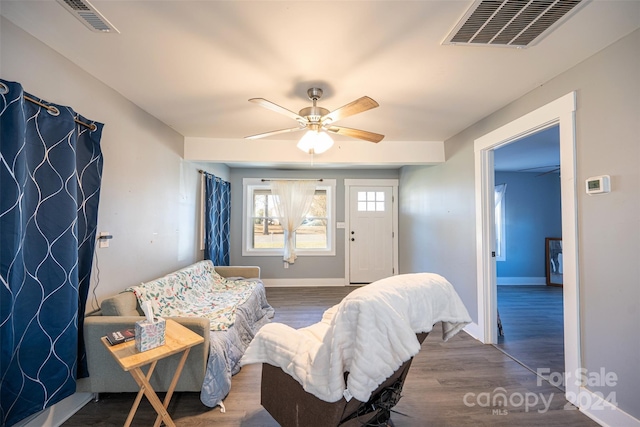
(89, 16)
(511, 23)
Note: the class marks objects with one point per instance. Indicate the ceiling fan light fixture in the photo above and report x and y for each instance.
(315, 142)
(317, 120)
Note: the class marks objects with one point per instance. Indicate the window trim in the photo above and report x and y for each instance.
(251, 184)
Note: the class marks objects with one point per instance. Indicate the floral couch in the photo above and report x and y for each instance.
(226, 305)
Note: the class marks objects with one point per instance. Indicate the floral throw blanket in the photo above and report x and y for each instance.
(197, 291)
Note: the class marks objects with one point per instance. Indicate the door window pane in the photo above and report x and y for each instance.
(371, 201)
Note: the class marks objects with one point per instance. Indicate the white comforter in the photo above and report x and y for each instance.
(369, 334)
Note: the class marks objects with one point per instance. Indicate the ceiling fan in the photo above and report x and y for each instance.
(318, 119)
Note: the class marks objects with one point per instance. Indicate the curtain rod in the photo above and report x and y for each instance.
(267, 180)
(53, 110)
(204, 172)
(291, 179)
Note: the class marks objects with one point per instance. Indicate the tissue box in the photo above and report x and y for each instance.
(150, 334)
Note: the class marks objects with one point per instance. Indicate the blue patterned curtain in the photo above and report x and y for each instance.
(50, 173)
(217, 210)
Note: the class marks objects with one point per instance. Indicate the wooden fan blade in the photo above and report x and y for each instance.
(274, 132)
(278, 109)
(358, 106)
(356, 133)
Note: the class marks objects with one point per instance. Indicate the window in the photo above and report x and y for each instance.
(500, 218)
(370, 201)
(263, 233)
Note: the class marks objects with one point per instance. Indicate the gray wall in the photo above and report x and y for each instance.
(437, 217)
(437, 221)
(532, 213)
(149, 199)
(271, 267)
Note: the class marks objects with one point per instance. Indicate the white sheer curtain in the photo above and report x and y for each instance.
(292, 202)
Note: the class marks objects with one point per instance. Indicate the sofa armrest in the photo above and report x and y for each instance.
(248, 272)
(105, 375)
(122, 304)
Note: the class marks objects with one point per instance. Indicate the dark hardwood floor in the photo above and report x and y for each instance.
(532, 320)
(452, 383)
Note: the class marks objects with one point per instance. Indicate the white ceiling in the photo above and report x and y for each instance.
(536, 153)
(194, 64)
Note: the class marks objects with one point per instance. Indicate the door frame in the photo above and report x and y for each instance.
(559, 112)
(348, 183)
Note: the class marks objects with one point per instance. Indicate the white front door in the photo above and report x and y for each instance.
(370, 234)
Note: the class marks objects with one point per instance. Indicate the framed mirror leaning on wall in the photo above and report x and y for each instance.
(553, 257)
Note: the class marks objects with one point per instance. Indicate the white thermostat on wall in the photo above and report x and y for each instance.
(598, 184)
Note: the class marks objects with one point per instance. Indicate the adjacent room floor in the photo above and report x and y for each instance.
(532, 321)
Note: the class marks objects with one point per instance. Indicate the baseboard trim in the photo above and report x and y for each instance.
(473, 329)
(301, 283)
(516, 281)
(603, 412)
(57, 414)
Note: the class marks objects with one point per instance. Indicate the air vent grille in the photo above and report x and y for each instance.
(77, 5)
(88, 15)
(513, 23)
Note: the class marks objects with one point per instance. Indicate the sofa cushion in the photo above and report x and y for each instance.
(123, 304)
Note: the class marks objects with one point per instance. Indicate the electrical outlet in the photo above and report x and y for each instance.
(103, 239)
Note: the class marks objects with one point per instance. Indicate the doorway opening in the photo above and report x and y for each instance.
(560, 112)
(528, 219)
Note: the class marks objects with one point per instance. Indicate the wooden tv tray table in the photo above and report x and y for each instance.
(177, 339)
